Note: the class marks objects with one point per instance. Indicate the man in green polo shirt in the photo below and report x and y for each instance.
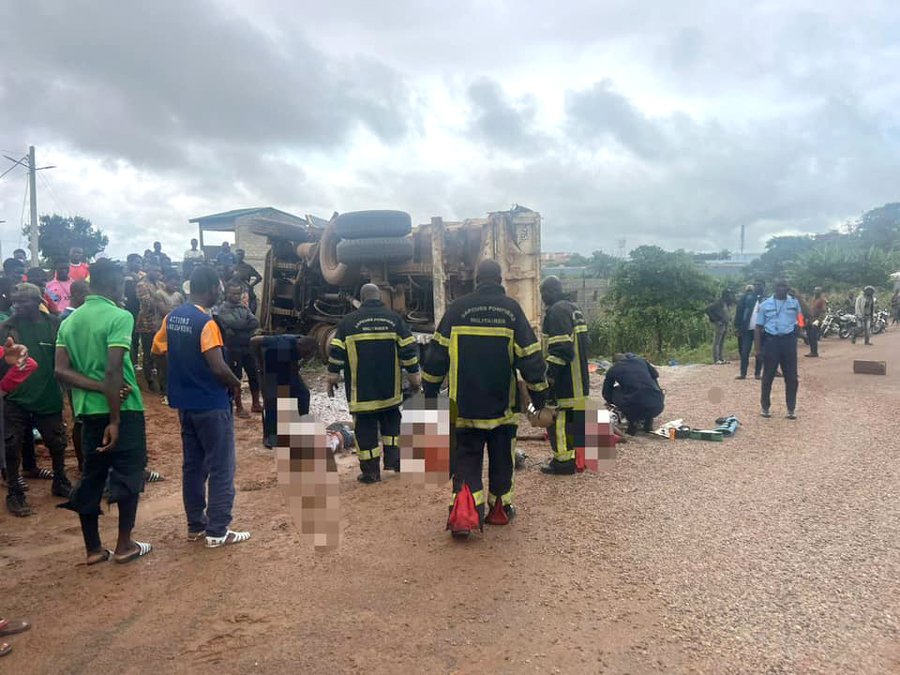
(92, 357)
(38, 402)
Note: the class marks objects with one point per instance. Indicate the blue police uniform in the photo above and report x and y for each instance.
(778, 320)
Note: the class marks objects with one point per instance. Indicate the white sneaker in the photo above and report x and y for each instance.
(231, 537)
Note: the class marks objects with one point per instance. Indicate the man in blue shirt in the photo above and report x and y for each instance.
(776, 342)
(200, 387)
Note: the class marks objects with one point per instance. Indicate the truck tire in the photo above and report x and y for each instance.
(334, 272)
(374, 250)
(367, 224)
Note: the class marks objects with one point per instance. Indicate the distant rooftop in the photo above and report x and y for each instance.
(224, 220)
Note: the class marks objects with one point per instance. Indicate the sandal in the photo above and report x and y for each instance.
(8, 627)
(153, 477)
(105, 555)
(231, 537)
(141, 550)
(39, 474)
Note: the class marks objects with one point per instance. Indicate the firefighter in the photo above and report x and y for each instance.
(566, 350)
(480, 343)
(370, 346)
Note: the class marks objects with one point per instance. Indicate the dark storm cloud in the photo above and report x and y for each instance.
(600, 113)
(145, 83)
(502, 121)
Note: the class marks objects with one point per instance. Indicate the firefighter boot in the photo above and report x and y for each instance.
(559, 468)
(501, 514)
(391, 458)
(371, 471)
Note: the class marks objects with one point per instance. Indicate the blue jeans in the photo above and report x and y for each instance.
(207, 437)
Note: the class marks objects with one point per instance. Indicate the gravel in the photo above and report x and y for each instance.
(777, 550)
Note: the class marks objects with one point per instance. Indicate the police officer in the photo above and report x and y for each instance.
(370, 346)
(480, 343)
(632, 386)
(776, 341)
(566, 351)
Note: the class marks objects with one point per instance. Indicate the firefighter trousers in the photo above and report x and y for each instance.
(566, 433)
(468, 462)
(367, 427)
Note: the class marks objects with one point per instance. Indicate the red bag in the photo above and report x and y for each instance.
(498, 516)
(464, 514)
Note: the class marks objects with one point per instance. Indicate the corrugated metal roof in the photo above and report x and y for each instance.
(217, 218)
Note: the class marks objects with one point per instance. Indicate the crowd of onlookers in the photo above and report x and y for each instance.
(33, 304)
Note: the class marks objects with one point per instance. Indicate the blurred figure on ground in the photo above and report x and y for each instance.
(566, 352)
(632, 386)
(201, 388)
(865, 314)
(717, 312)
(91, 358)
(776, 342)
(60, 287)
(371, 346)
(238, 326)
(78, 267)
(817, 309)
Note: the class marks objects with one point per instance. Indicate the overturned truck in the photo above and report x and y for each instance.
(313, 273)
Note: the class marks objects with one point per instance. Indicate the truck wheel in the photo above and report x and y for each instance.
(334, 272)
(376, 249)
(366, 224)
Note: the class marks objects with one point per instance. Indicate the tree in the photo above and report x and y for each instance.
(57, 234)
(780, 253)
(576, 260)
(662, 291)
(602, 265)
(880, 227)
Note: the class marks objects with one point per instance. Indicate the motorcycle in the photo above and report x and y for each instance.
(880, 322)
(846, 325)
(829, 325)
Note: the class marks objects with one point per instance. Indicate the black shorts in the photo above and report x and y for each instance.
(123, 466)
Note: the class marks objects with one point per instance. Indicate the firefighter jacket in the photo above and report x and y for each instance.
(566, 346)
(371, 345)
(481, 341)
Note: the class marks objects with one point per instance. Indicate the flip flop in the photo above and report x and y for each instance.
(231, 537)
(107, 554)
(4, 649)
(141, 550)
(153, 477)
(39, 474)
(8, 627)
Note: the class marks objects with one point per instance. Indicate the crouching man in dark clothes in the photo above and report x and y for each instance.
(279, 358)
(632, 386)
(92, 357)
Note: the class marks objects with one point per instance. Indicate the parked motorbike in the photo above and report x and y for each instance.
(829, 325)
(846, 325)
(880, 322)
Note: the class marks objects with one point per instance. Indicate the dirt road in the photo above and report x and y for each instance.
(776, 551)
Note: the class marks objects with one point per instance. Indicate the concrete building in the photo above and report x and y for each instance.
(239, 222)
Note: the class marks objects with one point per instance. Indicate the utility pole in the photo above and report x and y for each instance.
(32, 193)
(743, 228)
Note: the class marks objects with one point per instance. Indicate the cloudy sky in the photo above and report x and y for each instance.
(655, 122)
